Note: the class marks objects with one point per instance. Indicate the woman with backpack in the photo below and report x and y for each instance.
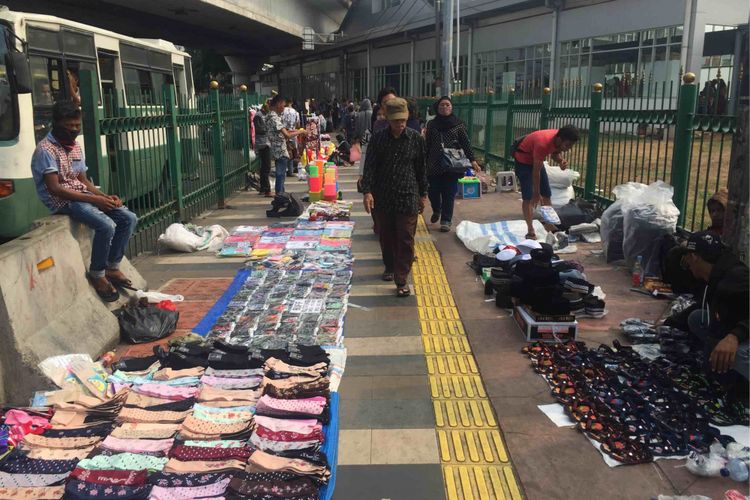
(446, 130)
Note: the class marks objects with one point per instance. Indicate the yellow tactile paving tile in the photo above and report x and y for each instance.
(475, 482)
(472, 452)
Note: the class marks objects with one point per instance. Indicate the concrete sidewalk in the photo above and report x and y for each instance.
(388, 445)
(552, 462)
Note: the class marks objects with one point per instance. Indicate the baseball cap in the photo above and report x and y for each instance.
(507, 253)
(396, 109)
(706, 245)
(526, 246)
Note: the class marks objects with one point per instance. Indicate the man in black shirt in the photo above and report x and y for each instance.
(395, 183)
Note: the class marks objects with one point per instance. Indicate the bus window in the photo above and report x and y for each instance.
(157, 83)
(138, 87)
(179, 83)
(72, 73)
(47, 89)
(8, 111)
(107, 64)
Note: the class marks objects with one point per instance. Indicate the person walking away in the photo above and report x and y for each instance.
(278, 135)
(529, 153)
(445, 131)
(322, 123)
(722, 320)
(263, 149)
(59, 170)
(290, 119)
(384, 94)
(395, 185)
(362, 122)
(413, 121)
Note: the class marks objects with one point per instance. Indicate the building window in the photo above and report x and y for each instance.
(525, 69)
(638, 63)
(426, 74)
(395, 75)
(357, 84)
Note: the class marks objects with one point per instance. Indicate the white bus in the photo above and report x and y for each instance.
(40, 58)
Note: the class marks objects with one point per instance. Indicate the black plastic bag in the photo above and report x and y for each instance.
(145, 324)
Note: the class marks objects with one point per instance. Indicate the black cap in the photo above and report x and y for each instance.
(706, 245)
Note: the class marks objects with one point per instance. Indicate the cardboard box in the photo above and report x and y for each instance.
(544, 331)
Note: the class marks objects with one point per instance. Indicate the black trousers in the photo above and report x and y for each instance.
(265, 169)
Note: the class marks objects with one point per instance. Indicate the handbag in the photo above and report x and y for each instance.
(453, 160)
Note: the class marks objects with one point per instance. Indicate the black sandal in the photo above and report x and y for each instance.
(106, 296)
(403, 291)
(126, 284)
(387, 276)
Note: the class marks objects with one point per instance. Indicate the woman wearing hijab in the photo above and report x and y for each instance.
(445, 130)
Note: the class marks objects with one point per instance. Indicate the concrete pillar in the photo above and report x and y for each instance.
(369, 72)
(412, 69)
(447, 46)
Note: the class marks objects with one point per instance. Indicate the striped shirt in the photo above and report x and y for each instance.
(51, 157)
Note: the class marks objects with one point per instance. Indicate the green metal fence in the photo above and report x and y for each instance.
(652, 134)
(168, 158)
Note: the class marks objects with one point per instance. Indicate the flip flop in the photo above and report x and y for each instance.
(387, 276)
(531, 236)
(403, 291)
(106, 296)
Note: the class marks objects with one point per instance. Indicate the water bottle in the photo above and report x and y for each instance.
(736, 469)
(638, 272)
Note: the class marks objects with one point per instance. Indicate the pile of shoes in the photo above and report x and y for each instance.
(635, 409)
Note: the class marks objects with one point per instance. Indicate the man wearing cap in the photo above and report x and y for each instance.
(394, 182)
(722, 320)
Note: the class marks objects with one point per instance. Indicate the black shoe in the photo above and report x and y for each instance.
(435, 217)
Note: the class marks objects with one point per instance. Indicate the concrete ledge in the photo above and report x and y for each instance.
(52, 311)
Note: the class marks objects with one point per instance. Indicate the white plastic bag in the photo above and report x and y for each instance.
(483, 238)
(156, 297)
(612, 220)
(561, 184)
(547, 215)
(646, 219)
(213, 238)
(178, 238)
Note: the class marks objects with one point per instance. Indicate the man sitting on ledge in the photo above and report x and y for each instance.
(59, 171)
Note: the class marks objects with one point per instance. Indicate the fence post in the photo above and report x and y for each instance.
(89, 90)
(509, 129)
(174, 148)
(488, 128)
(246, 125)
(683, 142)
(593, 142)
(544, 112)
(216, 143)
(470, 116)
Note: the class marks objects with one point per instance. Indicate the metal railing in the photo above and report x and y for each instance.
(167, 158)
(653, 134)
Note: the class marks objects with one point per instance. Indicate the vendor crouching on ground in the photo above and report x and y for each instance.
(721, 321)
(59, 171)
(529, 155)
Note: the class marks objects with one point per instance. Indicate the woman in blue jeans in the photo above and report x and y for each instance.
(445, 130)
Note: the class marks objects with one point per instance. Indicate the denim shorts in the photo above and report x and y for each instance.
(524, 174)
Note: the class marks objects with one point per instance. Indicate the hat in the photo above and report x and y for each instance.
(396, 109)
(706, 246)
(526, 246)
(507, 252)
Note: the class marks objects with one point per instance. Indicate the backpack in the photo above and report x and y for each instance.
(285, 205)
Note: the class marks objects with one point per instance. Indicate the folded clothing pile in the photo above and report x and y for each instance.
(553, 287)
(41, 462)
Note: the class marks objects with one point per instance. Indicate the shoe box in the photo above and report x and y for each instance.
(544, 331)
